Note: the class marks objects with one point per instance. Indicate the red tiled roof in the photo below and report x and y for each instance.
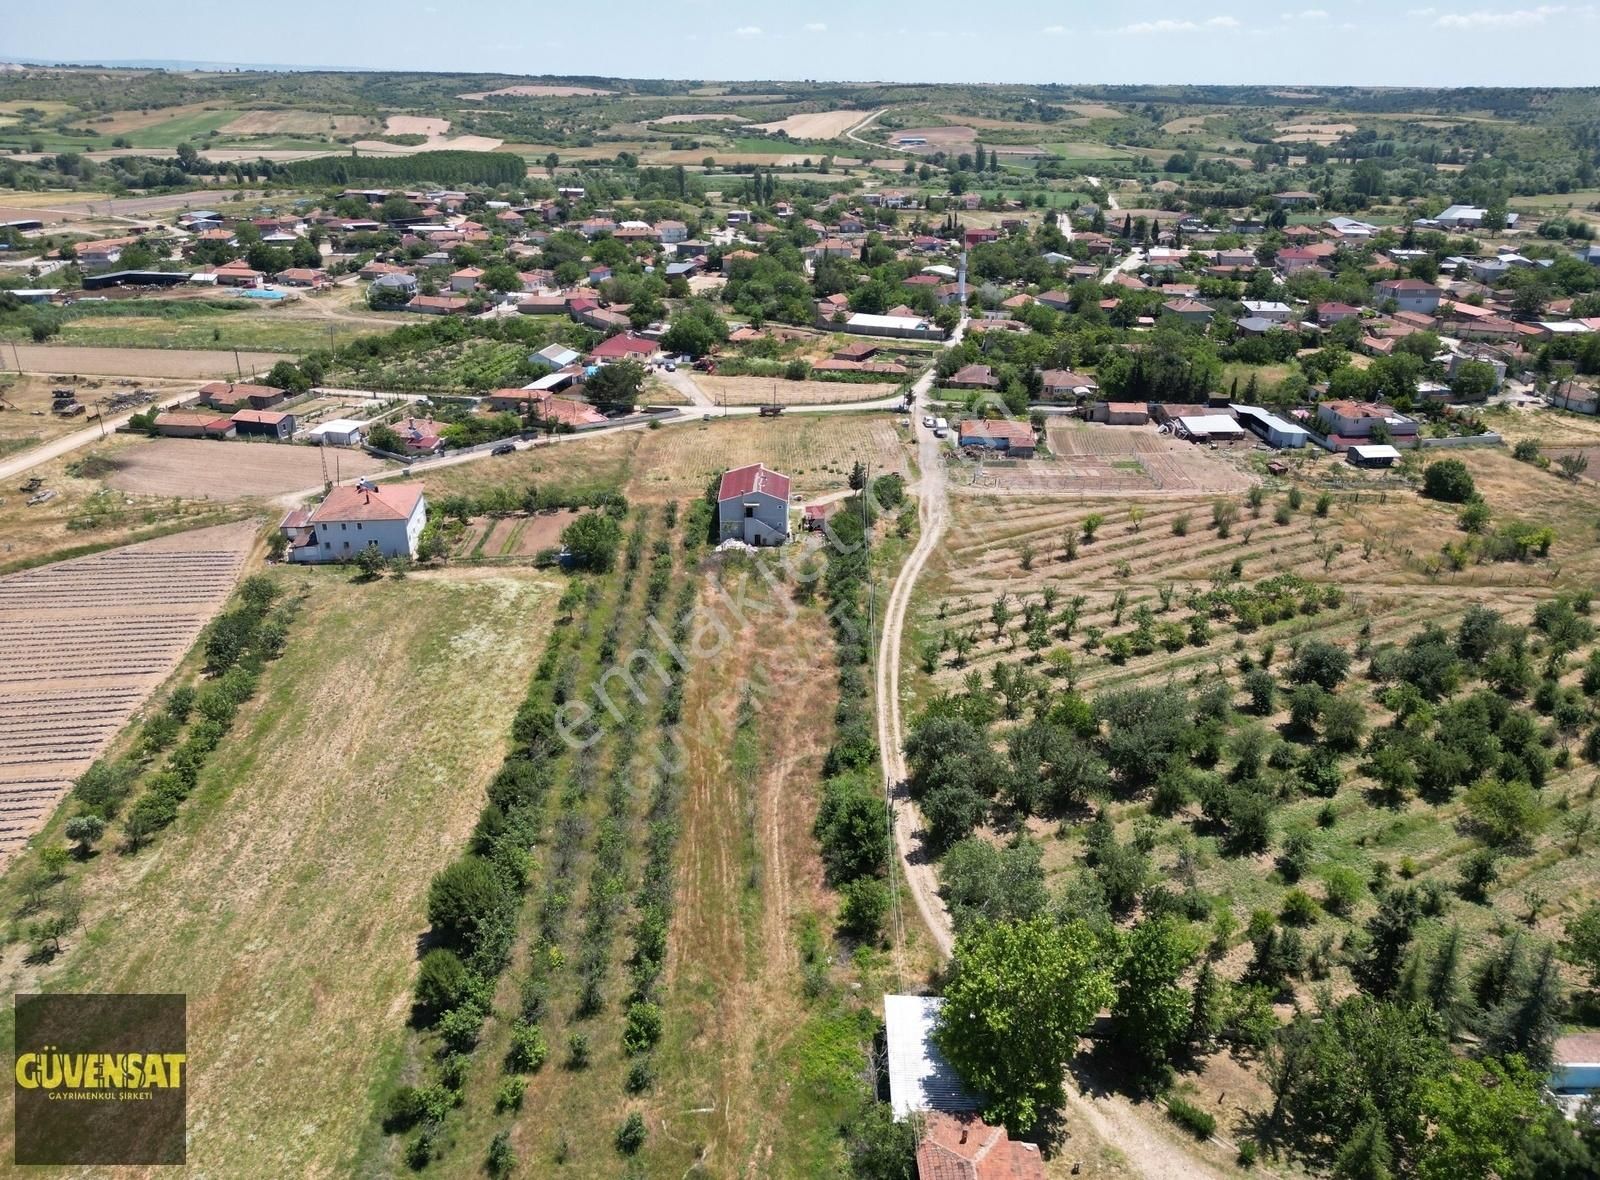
(1015, 432)
(387, 502)
(260, 417)
(757, 478)
(964, 1147)
(624, 345)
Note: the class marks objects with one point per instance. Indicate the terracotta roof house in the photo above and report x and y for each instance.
(438, 304)
(972, 377)
(1409, 294)
(237, 273)
(753, 505)
(1003, 435)
(964, 1147)
(263, 423)
(302, 276)
(1056, 300)
(1065, 383)
(1190, 311)
(352, 518)
(623, 346)
(466, 279)
(1332, 313)
(193, 424)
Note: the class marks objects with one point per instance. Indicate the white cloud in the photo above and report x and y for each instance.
(1167, 25)
(1055, 30)
(1312, 14)
(1418, 12)
(748, 31)
(1515, 18)
(816, 27)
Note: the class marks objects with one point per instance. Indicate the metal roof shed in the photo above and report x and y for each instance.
(919, 1076)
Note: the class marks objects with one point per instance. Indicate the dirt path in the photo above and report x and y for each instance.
(933, 510)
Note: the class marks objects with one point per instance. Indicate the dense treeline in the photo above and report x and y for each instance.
(442, 167)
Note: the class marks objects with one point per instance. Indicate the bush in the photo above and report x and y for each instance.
(1191, 1118)
(442, 981)
(631, 1134)
(463, 897)
(528, 1049)
(866, 902)
(404, 1109)
(643, 1029)
(641, 1076)
(1448, 480)
(502, 1160)
(510, 1094)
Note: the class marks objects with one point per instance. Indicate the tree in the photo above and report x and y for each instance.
(851, 828)
(593, 540)
(983, 883)
(881, 1147)
(502, 1157)
(1448, 480)
(84, 830)
(462, 897)
(616, 384)
(1321, 663)
(696, 330)
(1151, 1015)
(370, 562)
(858, 476)
(1479, 1114)
(1474, 381)
(383, 437)
(286, 375)
(1020, 996)
(1581, 948)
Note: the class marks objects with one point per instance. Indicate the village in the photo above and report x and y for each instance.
(1139, 716)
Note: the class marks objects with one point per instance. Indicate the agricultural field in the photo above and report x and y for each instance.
(299, 123)
(754, 391)
(676, 462)
(518, 535)
(86, 642)
(537, 91)
(68, 362)
(818, 125)
(288, 831)
(1087, 459)
(208, 469)
(1229, 600)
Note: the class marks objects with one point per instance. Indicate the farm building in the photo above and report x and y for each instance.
(1372, 455)
(193, 424)
(263, 424)
(1575, 1075)
(910, 327)
(555, 356)
(964, 1147)
(351, 518)
(1270, 427)
(1358, 420)
(753, 506)
(1122, 413)
(226, 395)
(920, 1079)
(338, 432)
(1209, 428)
(1013, 438)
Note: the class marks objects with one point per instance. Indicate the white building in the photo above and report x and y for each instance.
(338, 432)
(352, 518)
(920, 1079)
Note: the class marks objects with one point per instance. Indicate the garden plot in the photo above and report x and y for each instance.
(86, 641)
(755, 391)
(1092, 460)
(518, 535)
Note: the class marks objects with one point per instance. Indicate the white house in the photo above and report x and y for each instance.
(753, 506)
(1409, 294)
(352, 518)
(1277, 313)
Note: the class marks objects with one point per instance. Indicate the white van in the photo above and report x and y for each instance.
(941, 428)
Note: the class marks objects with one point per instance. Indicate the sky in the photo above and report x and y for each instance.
(1349, 42)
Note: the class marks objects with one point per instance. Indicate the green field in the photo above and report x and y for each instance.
(174, 131)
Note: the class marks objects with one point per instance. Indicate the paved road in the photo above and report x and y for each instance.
(933, 513)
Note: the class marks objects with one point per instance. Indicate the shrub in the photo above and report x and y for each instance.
(866, 901)
(1342, 889)
(631, 1134)
(510, 1094)
(1191, 1118)
(641, 1076)
(441, 982)
(502, 1159)
(459, 1027)
(1448, 480)
(404, 1109)
(462, 897)
(643, 1028)
(1298, 908)
(528, 1049)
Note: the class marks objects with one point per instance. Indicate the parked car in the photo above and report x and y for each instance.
(671, 366)
(928, 421)
(504, 448)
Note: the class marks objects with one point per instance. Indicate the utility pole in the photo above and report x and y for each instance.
(236, 366)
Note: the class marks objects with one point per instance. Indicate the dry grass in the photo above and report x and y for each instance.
(706, 117)
(207, 469)
(755, 391)
(287, 900)
(817, 125)
(536, 91)
(416, 125)
(70, 360)
(298, 123)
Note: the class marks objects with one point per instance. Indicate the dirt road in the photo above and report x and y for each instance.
(933, 510)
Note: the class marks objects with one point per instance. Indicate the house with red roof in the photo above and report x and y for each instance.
(351, 518)
(625, 346)
(964, 1147)
(753, 506)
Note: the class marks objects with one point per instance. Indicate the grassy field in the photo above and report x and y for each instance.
(286, 900)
